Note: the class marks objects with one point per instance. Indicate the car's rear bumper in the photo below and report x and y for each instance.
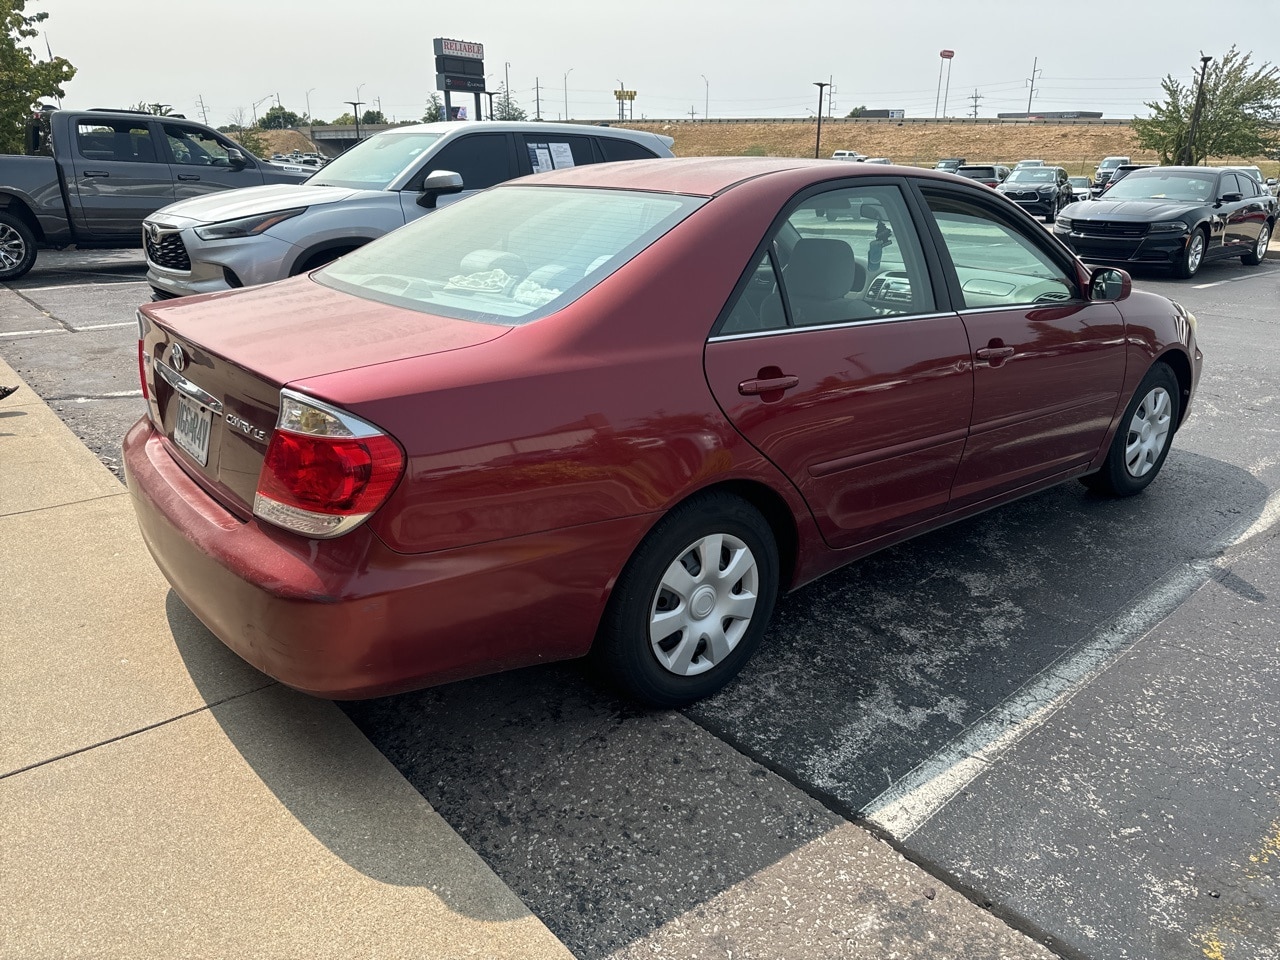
(350, 618)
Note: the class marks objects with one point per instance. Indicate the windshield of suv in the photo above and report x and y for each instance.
(1158, 185)
(1110, 163)
(1033, 175)
(983, 173)
(508, 255)
(374, 163)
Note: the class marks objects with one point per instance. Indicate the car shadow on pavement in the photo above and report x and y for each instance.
(609, 821)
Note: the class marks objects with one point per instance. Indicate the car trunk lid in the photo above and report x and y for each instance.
(214, 367)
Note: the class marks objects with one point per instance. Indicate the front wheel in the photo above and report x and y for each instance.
(1254, 256)
(692, 603)
(1143, 439)
(17, 247)
(1192, 256)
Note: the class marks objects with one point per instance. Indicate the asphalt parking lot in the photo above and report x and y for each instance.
(1067, 708)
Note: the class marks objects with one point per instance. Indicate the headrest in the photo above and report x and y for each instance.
(821, 268)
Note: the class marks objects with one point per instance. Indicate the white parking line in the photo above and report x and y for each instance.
(1218, 283)
(911, 802)
(106, 396)
(30, 333)
(106, 326)
(72, 286)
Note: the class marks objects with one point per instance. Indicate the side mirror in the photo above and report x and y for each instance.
(1109, 284)
(1231, 198)
(438, 183)
(1271, 181)
(236, 158)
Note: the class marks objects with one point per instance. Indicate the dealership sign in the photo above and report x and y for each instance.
(459, 48)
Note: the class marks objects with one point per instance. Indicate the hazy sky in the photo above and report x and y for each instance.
(759, 59)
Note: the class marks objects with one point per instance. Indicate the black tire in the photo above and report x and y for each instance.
(1053, 214)
(1143, 438)
(17, 247)
(1259, 251)
(316, 260)
(1188, 264)
(624, 650)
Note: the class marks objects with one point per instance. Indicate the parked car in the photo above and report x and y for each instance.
(1080, 188)
(877, 160)
(1041, 191)
(949, 164)
(1174, 216)
(255, 236)
(848, 155)
(1103, 173)
(611, 410)
(1023, 164)
(1268, 185)
(1120, 172)
(992, 175)
(89, 178)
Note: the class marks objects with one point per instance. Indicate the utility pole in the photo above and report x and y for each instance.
(204, 111)
(975, 97)
(537, 98)
(692, 113)
(1188, 154)
(817, 143)
(1032, 81)
(831, 96)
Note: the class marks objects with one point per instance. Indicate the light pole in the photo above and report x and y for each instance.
(1188, 157)
(621, 103)
(817, 144)
(945, 56)
(257, 103)
(566, 92)
(311, 124)
(506, 90)
(355, 111)
(706, 104)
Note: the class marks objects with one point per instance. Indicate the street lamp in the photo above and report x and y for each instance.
(506, 90)
(817, 144)
(311, 124)
(1188, 157)
(355, 110)
(706, 106)
(256, 104)
(566, 92)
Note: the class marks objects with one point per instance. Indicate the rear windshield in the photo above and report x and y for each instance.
(374, 163)
(1033, 175)
(977, 171)
(508, 255)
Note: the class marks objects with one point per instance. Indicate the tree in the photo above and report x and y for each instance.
(24, 79)
(506, 108)
(278, 118)
(435, 109)
(372, 116)
(1239, 110)
(857, 111)
(344, 119)
(159, 109)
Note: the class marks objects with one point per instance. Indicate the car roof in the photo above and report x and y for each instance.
(458, 127)
(708, 176)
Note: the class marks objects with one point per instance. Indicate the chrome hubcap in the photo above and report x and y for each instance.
(1196, 252)
(704, 604)
(1148, 432)
(1264, 238)
(12, 248)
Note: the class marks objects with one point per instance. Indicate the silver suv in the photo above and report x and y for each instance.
(245, 237)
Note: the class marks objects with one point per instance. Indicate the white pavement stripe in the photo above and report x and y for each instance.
(30, 333)
(105, 396)
(82, 284)
(106, 326)
(911, 802)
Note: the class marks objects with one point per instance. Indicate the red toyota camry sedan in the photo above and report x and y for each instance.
(616, 410)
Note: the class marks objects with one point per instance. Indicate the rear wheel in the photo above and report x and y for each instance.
(692, 603)
(1192, 256)
(1143, 438)
(17, 247)
(1254, 257)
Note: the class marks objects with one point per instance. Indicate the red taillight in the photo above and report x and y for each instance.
(325, 470)
(328, 475)
(142, 369)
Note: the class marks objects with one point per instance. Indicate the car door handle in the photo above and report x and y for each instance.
(994, 353)
(188, 176)
(96, 173)
(753, 388)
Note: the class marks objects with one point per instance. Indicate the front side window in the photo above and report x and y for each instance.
(996, 263)
(508, 256)
(195, 147)
(482, 160)
(126, 140)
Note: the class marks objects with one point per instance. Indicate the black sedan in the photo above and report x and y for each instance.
(1039, 190)
(1179, 216)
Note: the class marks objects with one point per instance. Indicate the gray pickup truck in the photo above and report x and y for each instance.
(90, 177)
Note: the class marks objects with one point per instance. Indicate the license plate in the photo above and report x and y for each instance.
(192, 430)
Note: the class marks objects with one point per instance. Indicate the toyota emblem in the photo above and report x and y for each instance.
(178, 357)
(153, 233)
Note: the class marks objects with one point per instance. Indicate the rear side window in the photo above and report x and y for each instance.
(624, 150)
(482, 159)
(556, 153)
(126, 140)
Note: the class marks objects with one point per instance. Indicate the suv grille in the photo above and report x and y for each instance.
(1104, 228)
(165, 248)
